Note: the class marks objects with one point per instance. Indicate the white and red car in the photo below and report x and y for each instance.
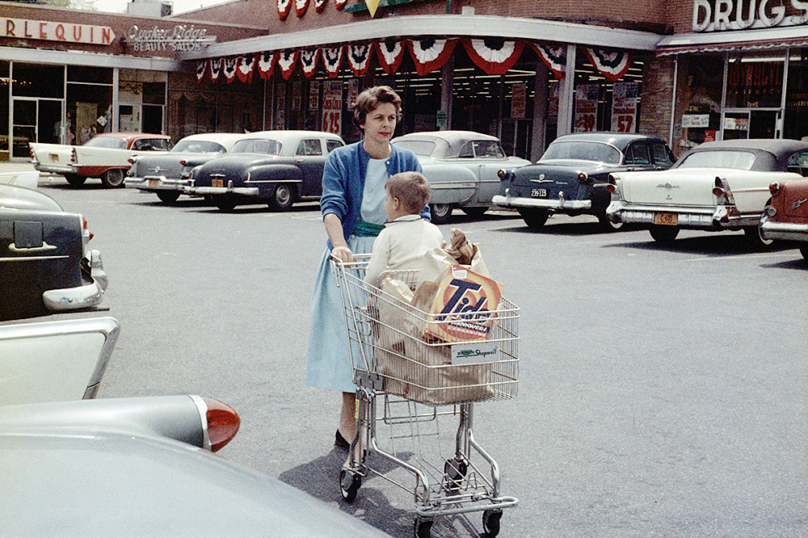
(105, 156)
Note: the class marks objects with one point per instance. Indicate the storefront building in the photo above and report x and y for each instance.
(522, 70)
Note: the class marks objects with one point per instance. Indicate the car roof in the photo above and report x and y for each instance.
(290, 135)
(452, 141)
(771, 145)
(133, 136)
(620, 140)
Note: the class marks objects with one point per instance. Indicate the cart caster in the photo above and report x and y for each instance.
(423, 527)
(455, 471)
(491, 522)
(349, 483)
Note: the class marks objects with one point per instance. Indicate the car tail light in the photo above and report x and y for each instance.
(582, 177)
(612, 185)
(183, 162)
(131, 160)
(86, 228)
(74, 158)
(502, 174)
(31, 151)
(723, 192)
(223, 423)
(774, 188)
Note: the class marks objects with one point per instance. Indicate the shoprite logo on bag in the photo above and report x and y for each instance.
(465, 306)
(475, 353)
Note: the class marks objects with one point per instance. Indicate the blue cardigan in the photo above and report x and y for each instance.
(342, 193)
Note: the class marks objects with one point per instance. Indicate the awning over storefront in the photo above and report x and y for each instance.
(744, 40)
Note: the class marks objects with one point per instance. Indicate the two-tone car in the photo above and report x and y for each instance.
(573, 175)
(462, 168)
(277, 168)
(713, 187)
(105, 156)
(167, 174)
(786, 218)
(46, 264)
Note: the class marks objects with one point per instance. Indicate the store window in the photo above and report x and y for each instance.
(5, 89)
(142, 99)
(795, 124)
(89, 100)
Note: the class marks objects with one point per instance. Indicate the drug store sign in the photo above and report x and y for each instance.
(720, 15)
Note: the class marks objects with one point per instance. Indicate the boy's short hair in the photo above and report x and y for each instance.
(370, 99)
(412, 188)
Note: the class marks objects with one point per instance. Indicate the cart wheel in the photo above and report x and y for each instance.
(423, 527)
(349, 484)
(455, 471)
(491, 522)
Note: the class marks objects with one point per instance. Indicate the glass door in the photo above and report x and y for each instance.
(35, 120)
(750, 123)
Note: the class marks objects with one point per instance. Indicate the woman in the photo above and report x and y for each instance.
(353, 214)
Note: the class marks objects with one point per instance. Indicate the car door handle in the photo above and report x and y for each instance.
(31, 250)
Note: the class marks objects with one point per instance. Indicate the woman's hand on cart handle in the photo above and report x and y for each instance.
(342, 253)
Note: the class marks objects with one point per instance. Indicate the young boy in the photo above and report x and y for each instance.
(406, 236)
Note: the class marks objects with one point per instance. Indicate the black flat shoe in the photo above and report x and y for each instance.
(340, 441)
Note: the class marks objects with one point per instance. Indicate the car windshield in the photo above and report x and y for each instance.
(419, 147)
(198, 146)
(582, 151)
(106, 142)
(258, 145)
(735, 159)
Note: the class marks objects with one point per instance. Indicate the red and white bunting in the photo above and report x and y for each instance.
(308, 61)
(359, 58)
(284, 6)
(612, 64)
(301, 6)
(430, 54)
(266, 64)
(201, 68)
(555, 56)
(246, 65)
(340, 3)
(390, 54)
(319, 5)
(332, 58)
(494, 56)
(230, 68)
(215, 69)
(286, 61)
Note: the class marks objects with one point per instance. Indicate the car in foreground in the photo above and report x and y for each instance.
(53, 361)
(46, 264)
(27, 178)
(462, 168)
(105, 156)
(167, 174)
(713, 187)
(278, 168)
(573, 175)
(144, 467)
(786, 218)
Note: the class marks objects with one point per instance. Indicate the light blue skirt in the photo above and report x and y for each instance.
(328, 363)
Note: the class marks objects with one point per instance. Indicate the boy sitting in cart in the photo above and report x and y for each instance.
(406, 236)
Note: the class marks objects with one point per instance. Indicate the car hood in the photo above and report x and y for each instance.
(13, 197)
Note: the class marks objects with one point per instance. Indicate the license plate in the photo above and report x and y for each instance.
(217, 183)
(54, 157)
(666, 219)
(153, 183)
(538, 193)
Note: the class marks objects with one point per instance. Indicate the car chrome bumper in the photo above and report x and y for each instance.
(156, 183)
(56, 169)
(557, 204)
(709, 218)
(208, 191)
(80, 297)
(786, 231)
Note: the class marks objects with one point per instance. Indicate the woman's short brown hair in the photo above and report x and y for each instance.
(370, 99)
(411, 188)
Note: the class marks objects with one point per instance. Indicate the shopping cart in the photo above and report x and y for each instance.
(410, 386)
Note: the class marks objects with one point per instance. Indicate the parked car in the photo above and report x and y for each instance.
(167, 174)
(572, 176)
(144, 467)
(45, 263)
(274, 167)
(27, 178)
(461, 167)
(49, 361)
(105, 156)
(715, 186)
(786, 218)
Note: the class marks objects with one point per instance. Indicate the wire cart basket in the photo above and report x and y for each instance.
(410, 385)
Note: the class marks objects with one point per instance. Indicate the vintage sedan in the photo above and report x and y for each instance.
(274, 167)
(462, 168)
(45, 263)
(167, 174)
(105, 156)
(144, 467)
(572, 176)
(713, 187)
(786, 218)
